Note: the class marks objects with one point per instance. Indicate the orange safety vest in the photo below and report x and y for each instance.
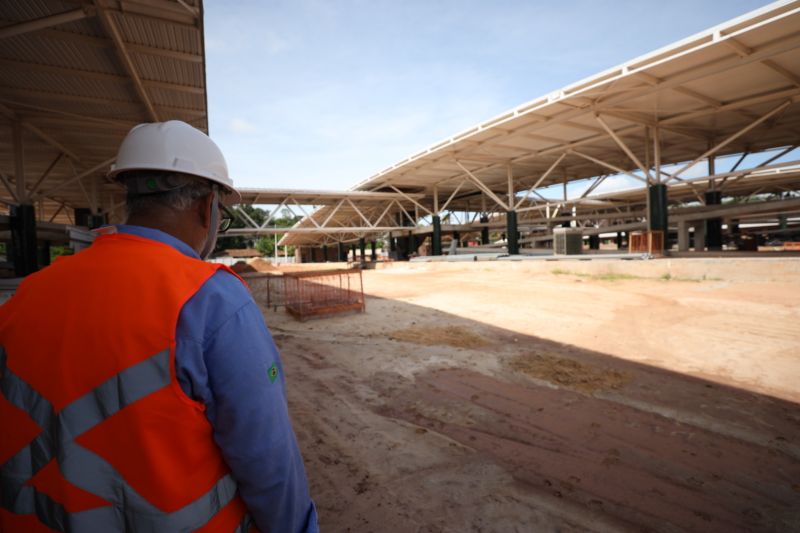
(96, 433)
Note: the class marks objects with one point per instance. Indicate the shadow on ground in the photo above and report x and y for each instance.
(437, 423)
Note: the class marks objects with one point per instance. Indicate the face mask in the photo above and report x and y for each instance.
(211, 238)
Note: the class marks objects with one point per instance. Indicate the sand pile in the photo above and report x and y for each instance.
(305, 267)
(262, 265)
(569, 373)
(455, 336)
(240, 267)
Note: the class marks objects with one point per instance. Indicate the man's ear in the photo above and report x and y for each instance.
(203, 207)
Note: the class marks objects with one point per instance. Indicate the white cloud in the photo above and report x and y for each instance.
(241, 126)
(320, 94)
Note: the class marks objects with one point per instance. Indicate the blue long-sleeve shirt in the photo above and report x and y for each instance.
(225, 358)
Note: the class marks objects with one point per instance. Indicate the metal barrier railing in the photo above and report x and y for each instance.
(318, 293)
(267, 289)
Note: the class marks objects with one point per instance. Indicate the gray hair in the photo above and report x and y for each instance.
(152, 189)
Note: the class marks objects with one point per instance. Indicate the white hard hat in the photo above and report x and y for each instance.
(175, 146)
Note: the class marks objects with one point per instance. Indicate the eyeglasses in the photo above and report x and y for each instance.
(226, 217)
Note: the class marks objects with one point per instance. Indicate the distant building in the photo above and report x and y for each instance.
(242, 253)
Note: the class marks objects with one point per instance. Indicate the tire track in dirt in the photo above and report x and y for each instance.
(644, 469)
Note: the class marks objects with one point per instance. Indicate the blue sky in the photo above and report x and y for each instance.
(323, 94)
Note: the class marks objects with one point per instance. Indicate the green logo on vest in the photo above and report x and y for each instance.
(273, 373)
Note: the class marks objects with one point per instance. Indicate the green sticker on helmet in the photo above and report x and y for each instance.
(151, 184)
(273, 373)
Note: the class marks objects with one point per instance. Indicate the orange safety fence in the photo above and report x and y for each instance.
(324, 292)
(267, 289)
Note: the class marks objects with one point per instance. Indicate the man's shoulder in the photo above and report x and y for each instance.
(226, 289)
(216, 302)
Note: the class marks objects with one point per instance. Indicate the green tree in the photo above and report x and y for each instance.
(56, 251)
(240, 241)
(264, 244)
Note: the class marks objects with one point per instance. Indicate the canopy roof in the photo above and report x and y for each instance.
(698, 90)
(77, 75)
(743, 74)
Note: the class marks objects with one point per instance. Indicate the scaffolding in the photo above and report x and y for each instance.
(324, 292)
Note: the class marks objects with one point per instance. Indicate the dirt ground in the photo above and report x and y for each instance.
(555, 398)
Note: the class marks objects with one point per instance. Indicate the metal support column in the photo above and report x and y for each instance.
(714, 225)
(81, 216)
(683, 236)
(401, 241)
(619, 240)
(736, 232)
(325, 252)
(373, 251)
(436, 237)
(23, 239)
(342, 256)
(484, 230)
(408, 244)
(362, 246)
(657, 210)
(511, 232)
(457, 238)
(658, 207)
(594, 242)
(44, 254)
(700, 236)
(97, 220)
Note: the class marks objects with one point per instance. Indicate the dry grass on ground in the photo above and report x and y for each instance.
(568, 373)
(560, 403)
(454, 336)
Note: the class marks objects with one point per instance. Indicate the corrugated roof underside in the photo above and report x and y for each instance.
(69, 81)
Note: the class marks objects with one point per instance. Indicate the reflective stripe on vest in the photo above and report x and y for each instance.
(127, 510)
(104, 438)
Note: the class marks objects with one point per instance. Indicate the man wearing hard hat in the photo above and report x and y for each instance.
(141, 389)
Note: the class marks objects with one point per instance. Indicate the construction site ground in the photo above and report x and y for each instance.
(556, 396)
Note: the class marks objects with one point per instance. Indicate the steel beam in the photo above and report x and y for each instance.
(711, 151)
(410, 199)
(11, 191)
(624, 147)
(483, 187)
(607, 165)
(111, 29)
(45, 22)
(19, 162)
